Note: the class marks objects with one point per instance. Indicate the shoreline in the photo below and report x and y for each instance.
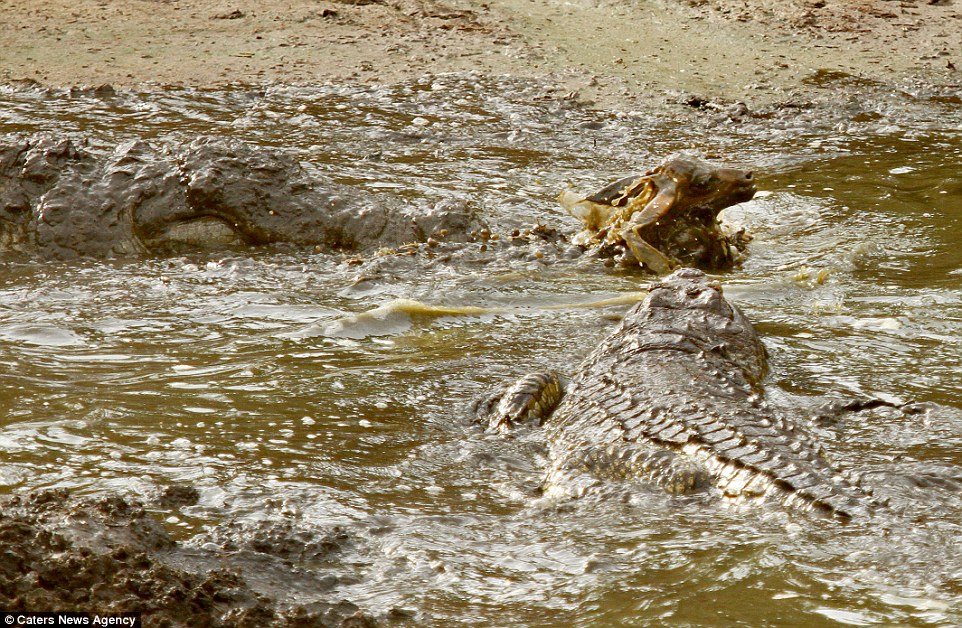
(611, 53)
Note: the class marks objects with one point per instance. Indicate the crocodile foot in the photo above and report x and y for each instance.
(528, 400)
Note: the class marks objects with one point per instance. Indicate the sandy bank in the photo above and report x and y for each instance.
(608, 51)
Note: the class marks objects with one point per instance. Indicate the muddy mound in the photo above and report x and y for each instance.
(110, 555)
(60, 200)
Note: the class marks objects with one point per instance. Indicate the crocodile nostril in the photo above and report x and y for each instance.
(748, 176)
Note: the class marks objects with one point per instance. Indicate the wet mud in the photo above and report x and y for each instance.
(61, 201)
(110, 555)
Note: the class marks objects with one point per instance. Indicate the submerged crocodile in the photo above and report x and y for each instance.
(60, 200)
(667, 217)
(674, 396)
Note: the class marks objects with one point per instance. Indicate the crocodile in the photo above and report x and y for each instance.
(60, 199)
(674, 397)
(667, 217)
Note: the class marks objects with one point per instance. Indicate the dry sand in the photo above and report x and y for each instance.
(609, 51)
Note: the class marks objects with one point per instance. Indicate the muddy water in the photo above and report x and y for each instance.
(289, 390)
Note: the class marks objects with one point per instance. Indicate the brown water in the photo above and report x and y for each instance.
(253, 378)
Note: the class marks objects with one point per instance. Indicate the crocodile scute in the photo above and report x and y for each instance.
(674, 397)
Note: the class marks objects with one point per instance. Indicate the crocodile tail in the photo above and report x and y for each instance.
(843, 502)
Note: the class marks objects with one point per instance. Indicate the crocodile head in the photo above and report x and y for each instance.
(667, 217)
(688, 308)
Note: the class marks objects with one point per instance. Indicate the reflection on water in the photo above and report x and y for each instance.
(282, 389)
